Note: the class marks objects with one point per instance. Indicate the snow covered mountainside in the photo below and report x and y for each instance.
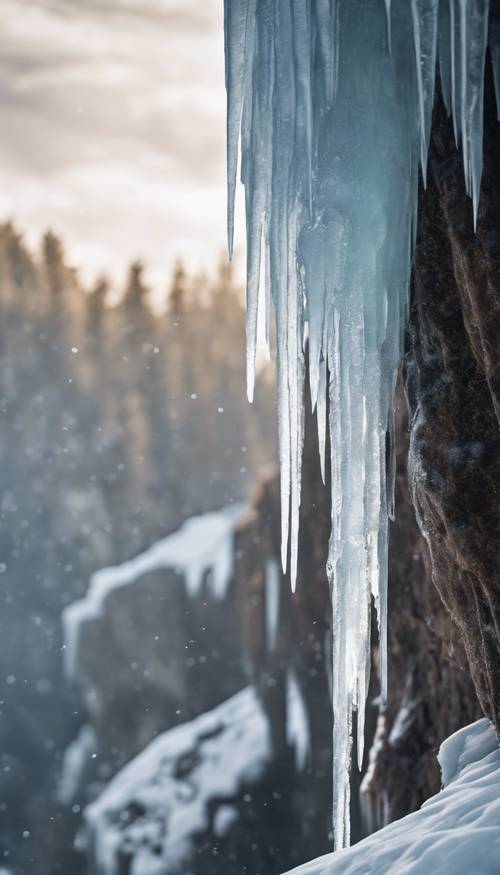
(172, 809)
(184, 784)
(201, 548)
(144, 647)
(456, 831)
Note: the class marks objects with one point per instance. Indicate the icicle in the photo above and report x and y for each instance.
(444, 49)
(389, 24)
(466, 53)
(239, 17)
(327, 40)
(425, 30)
(321, 419)
(495, 61)
(332, 126)
(474, 38)
(454, 55)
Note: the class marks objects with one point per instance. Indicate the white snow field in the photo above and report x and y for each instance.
(329, 115)
(456, 832)
(203, 544)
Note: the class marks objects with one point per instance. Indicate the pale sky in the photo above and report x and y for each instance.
(112, 129)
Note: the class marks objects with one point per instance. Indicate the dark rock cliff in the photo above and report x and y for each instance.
(453, 386)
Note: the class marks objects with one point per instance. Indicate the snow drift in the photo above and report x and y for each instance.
(458, 830)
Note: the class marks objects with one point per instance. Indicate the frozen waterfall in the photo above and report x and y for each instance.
(329, 116)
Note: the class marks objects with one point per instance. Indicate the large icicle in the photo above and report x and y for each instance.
(331, 102)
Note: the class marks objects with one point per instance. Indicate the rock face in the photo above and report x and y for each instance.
(431, 694)
(453, 386)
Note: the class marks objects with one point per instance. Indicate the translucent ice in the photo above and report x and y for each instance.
(331, 105)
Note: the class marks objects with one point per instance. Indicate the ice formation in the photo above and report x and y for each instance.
(457, 830)
(330, 106)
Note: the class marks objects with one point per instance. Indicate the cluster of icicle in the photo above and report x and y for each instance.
(330, 107)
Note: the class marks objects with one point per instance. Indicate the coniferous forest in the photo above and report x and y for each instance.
(120, 420)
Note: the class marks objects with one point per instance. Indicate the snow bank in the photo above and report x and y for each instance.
(457, 831)
(201, 548)
(180, 786)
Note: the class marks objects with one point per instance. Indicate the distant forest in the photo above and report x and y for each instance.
(117, 423)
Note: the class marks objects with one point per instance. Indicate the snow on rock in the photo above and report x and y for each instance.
(180, 786)
(464, 748)
(457, 831)
(202, 549)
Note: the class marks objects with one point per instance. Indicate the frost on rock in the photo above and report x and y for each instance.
(330, 107)
(457, 830)
(202, 549)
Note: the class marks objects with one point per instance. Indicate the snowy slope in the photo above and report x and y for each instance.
(180, 786)
(456, 832)
(204, 544)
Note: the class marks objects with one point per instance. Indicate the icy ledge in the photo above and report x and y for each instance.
(457, 831)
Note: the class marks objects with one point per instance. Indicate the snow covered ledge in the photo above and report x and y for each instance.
(456, 831)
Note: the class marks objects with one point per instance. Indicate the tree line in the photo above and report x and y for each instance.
(118, 421)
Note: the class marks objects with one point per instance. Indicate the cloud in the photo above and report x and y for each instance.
(112, 116)
(188, 15)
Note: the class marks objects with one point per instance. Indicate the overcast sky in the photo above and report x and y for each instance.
(112, 128)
